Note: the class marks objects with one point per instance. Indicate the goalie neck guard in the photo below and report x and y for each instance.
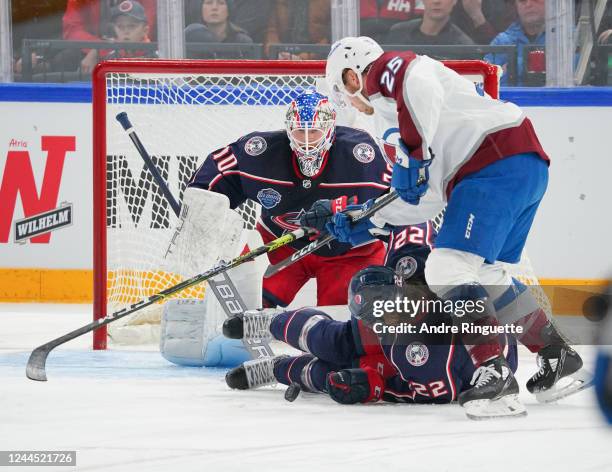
(311, 129)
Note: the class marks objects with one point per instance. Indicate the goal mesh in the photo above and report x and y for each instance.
(181, 115)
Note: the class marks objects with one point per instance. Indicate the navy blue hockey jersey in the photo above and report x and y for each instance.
(262, 167)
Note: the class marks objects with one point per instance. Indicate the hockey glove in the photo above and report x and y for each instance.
(410, 176)
(350, 386)
(322, 211)
(358, 233)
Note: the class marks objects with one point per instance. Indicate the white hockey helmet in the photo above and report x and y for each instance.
(350, 53)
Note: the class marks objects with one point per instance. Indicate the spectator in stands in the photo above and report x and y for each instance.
(435, 28)
(130, 25)
(482, 20)
(35, 19)
(378, 16)
(216, 26)
(89, 20)
(299, 22)
(253, 17)
(528, 29)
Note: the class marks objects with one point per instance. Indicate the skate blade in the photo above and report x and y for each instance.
(508, 406)
(566, 386)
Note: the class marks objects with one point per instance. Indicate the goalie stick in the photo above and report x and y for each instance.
(123, 119)
(315, 245)
(222, 286)
(230, 300)
(35, 369)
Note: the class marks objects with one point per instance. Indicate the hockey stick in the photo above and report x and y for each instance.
(35, 369)
(315, 245)
(230, 300)
(224, 289)
(123, 119)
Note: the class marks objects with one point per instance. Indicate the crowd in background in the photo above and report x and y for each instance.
(292, 23)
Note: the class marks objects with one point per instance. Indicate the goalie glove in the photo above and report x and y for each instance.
(345, 231)
(207, 231)
(350, 386)
(322, 211)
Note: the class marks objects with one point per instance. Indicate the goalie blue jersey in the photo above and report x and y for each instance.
(262, 167)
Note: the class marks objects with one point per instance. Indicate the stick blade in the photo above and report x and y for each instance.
(35, 370)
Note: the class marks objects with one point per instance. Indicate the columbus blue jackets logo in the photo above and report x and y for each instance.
(269, 198)
(289, 221)
(255, 146)
(417, 354)
(406, 266)
(364, 153)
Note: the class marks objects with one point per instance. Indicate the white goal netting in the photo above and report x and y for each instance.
(180, 119)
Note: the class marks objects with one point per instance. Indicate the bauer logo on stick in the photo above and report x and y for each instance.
(268, 197)
(255, 146)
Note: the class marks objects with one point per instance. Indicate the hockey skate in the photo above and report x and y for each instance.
(560, 374)
(253, 374)
(251, 325)
(494, 393)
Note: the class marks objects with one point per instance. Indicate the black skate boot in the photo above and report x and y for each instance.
(556, 362)
(253, 374)
(494, 393)
(251, 325)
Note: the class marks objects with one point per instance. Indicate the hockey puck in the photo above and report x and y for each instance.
(292, 392)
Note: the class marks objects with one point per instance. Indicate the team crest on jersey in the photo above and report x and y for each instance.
(269, 198)
(417, 354)
(388, 144)
(406, 266)
(289, 221)
(255, 146)
(364, 153)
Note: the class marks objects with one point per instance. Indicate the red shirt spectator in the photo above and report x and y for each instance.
(377, 16)
(89, 20)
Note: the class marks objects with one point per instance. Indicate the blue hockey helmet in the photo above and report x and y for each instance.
(369, 285)
(311, 127)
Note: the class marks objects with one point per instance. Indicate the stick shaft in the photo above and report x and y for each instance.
(328, 238)
(151, 167)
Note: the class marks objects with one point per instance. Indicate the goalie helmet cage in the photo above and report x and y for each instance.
(166, 100)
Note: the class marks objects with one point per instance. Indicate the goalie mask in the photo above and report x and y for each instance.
(311, 129)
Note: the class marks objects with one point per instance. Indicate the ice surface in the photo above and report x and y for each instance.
(131, 410)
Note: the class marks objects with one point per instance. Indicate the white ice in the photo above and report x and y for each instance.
(131, 410)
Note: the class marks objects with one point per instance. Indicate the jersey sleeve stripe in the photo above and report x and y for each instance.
(262, 179)
(355, 184)
(449, 374)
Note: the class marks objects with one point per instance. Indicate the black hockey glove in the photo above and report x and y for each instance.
(351, 386)
(322, 211)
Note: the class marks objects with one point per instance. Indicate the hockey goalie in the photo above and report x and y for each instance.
(312, 163)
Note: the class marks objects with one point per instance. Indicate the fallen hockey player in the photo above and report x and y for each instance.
(353, 365)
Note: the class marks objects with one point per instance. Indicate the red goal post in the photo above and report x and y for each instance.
(207, 89)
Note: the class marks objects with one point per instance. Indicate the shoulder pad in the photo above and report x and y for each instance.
(259, 142)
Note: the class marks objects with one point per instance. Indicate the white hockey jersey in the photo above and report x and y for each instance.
(442, 115)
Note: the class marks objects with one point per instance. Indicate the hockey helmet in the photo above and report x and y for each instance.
(311, 129)
(354, 53)
(369, 285)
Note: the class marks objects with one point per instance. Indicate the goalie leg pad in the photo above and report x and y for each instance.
(191, 338)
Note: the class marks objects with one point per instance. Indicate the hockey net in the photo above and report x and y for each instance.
(182, 110)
